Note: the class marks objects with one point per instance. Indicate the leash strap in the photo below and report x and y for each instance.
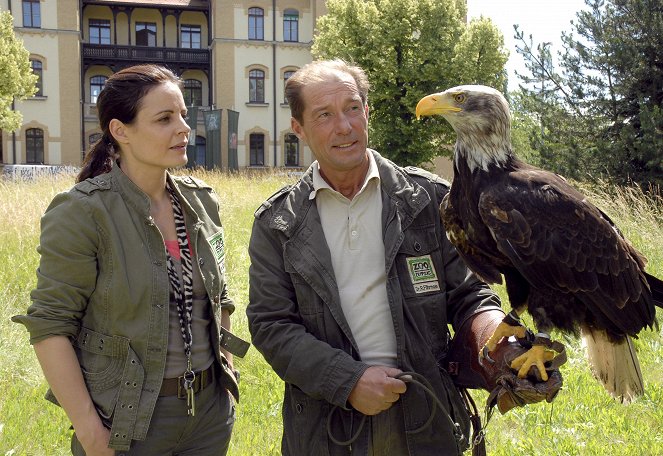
(407, 377)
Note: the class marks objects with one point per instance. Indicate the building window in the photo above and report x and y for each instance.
(256, 86)
(100, 31)
(257, 149)
(31, 14)
(286, 76)
(199, 156)
(290, 25)
(34, 146)
(96, 84)
(193, 92)
(37, 69)
(190, 36)
(256, 24)
(146, 34)
(291, 150)
(94, 137)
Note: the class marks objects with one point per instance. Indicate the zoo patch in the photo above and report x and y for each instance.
(219, 249)
(423, 275)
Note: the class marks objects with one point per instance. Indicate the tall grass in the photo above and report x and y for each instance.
(583, 420)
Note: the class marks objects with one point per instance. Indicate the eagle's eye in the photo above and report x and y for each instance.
(459, 98)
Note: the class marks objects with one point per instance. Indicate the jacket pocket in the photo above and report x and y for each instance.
(419, 262)
(305, 424)
(310, 306)
(110, 366)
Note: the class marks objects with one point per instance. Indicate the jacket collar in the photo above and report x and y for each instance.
(403, 193)
(131, 193)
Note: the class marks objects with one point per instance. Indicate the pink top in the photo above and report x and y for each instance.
(173, 248)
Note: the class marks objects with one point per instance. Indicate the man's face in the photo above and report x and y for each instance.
(334, 123)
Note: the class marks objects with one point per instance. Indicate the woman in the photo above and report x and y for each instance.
(131, 304)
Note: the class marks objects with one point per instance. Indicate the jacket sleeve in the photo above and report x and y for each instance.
(67, 271)
(226, 302)
(278, 332)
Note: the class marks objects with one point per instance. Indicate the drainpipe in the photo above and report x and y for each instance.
(9, 5)
(83, 68)
(13, 138)
(274, 77)
(210, 60)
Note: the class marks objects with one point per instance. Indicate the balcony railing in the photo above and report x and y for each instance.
(90, 113)
(106, 52)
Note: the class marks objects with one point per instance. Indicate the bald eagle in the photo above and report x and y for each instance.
(563, 259)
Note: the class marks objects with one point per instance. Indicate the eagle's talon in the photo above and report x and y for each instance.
(536, 356)
(503, 331)
(485, 355)
(528, 339)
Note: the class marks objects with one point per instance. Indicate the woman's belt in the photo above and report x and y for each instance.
(175, 386)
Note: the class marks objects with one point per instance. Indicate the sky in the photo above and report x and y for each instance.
(543, 19)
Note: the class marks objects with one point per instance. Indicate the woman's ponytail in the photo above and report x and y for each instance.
(99, 159)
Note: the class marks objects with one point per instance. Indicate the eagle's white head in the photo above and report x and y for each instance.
(480, 117)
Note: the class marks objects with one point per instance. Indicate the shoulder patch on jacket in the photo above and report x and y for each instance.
(191, 182)
(414, 171)
(101, 182)
(270, 201)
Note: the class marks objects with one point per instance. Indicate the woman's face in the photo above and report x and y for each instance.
(158, 136)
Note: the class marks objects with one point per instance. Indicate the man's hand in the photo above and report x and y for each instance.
(376, 390)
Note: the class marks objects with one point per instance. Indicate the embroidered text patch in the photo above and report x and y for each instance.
(423, 275)
(218, 249)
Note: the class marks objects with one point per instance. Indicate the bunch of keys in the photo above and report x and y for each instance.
(189, 377)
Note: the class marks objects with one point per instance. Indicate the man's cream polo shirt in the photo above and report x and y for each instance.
(353, 230)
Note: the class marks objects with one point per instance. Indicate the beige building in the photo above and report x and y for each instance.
(234, 56)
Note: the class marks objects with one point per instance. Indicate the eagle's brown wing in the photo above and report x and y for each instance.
(475, 259)
(558, 240)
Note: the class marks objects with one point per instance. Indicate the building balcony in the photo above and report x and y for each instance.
(112, 55)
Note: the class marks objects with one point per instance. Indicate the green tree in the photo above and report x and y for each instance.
(17, 81)
(555, 129)
(409, 49)
(601, 113)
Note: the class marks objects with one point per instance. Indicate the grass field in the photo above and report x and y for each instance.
(583, 420)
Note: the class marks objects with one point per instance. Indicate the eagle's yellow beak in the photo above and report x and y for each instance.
(437, 103)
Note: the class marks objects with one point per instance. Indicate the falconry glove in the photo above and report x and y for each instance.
(506, 389)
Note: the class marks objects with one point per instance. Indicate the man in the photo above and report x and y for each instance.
(353, 281)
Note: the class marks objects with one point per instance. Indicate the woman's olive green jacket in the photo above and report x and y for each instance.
(102, 281)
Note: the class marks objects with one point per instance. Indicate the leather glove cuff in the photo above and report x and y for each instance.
(463, 356)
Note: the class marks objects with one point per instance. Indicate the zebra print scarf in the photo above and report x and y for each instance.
(183, 292)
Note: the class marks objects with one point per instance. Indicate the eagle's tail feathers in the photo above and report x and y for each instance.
(614, 364)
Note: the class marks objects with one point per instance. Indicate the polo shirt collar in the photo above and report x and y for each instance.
(319, 183)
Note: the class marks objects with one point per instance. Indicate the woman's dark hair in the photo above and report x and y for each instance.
(120, 99)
